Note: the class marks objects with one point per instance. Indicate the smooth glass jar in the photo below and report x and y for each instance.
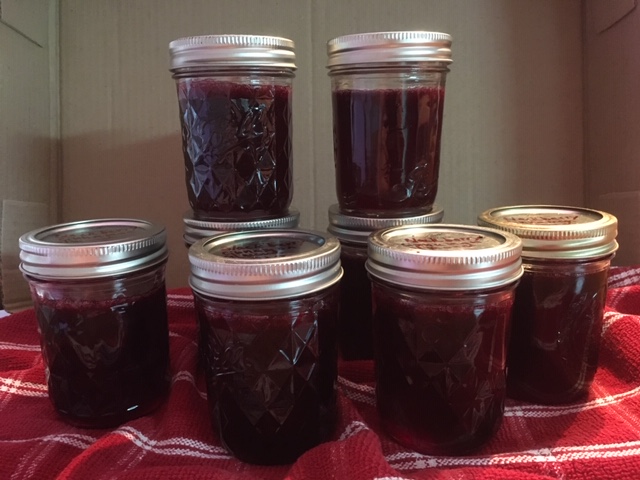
(354, 327)
(559, 307)
(267, 301)
(99, 295)
(442, 303)
(388, 100)
(234, 94)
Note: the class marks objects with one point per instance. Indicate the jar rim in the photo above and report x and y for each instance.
(556, 231)
(391, 47)
(264, 264)
(92, 248)
(231, 50)
(445, 257)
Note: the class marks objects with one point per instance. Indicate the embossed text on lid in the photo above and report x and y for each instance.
(445, 257)
(556, 232)
(264, 264)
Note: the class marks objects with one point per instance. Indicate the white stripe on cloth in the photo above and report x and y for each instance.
(412, 460)
(78, 441)
(25, 389)
(180, 446)
(353, 428)
(19, 346)
(366, 394)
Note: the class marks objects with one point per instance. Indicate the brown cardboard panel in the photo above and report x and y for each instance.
(121, 142)
(25, 144)
(29, 17)
(17, 218)
(606, 14)
(512, 129)
(626, 207)
(612, 122)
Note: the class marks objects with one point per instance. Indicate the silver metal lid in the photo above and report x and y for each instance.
(389, 47)
(92, 248)
(352, 229)
(264, 264)
(195, 229)
(556, 232)
(232, 50)
(445, 257)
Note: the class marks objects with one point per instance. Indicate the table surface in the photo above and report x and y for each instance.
(596, 438)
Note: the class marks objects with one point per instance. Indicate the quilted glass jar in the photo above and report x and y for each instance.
(559, 307)
(267, 301)
(98, 290)
(388, 99)
(442, 302)
(234, 95)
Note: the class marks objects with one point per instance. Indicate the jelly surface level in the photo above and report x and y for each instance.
(108, 361)
(271, 374)
(440, 368)
(236, 141)
(387, 149)
(557, 324)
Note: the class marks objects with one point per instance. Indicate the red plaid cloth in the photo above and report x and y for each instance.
(598, 438)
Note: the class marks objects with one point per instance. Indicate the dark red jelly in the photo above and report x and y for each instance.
(355, 330)
(556, 329)
(236, 141)
(107, 361)
(440, 366)
(271, 372)
(387, 149)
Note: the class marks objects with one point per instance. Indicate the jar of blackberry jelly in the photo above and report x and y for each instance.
(388, 100)
(99, 295)
(559, 307)
(442, 302)
(354, 327)
(234, 94)
(268, 300)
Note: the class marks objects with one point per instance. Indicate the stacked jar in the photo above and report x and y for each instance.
(388, 97)
(265, 292)
(234, 94)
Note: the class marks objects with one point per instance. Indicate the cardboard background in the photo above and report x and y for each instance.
(541, 104)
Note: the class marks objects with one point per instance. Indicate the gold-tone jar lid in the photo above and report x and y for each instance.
(92, 248)
(445, 257)
(556, 232)
(261, 265)
(231, 50)
(389, 47)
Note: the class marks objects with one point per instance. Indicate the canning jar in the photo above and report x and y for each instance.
(442, 302)
(354, 327)
(388, 99)
(234, 94)
(98, 291)
(268, 300)
(559, 307)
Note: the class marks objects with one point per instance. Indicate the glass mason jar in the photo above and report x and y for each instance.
(354, 327)
(268, 301)
(388, 100)
(559, 307)
(234, 93)
(442, 303)
(99, 295)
